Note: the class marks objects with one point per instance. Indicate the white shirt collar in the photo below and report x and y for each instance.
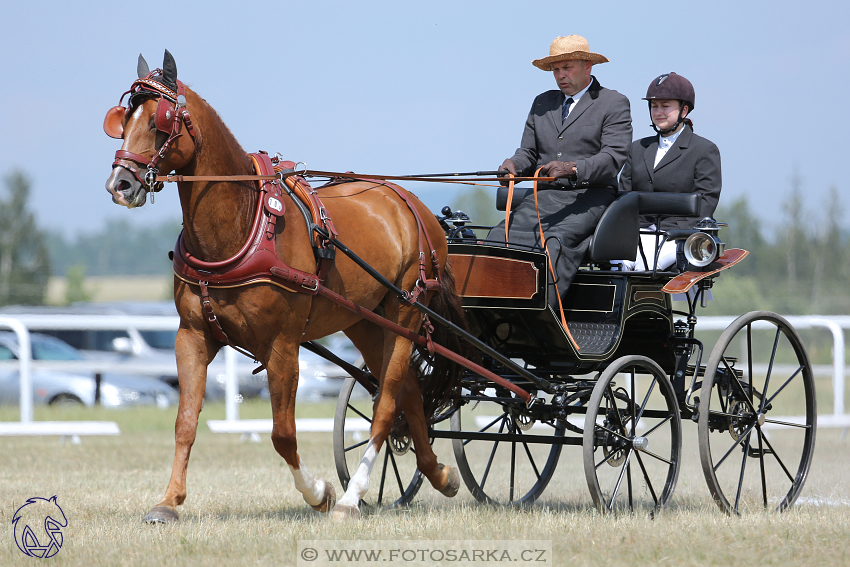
(667, 141)
(578, 95)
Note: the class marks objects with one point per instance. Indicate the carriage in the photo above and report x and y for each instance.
(266, 263)
(619, 380)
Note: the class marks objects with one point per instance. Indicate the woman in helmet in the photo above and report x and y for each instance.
(675, 160)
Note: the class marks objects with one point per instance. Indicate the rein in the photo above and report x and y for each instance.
(345, 175)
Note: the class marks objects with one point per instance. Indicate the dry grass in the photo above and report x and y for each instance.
(243, 509)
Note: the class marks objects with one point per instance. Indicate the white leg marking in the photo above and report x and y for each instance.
(312, 488)
(359, 483)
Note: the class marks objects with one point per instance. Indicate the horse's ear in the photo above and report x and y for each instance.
(142, 68)
(169, 70)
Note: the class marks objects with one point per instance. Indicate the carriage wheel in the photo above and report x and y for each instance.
(632, 437)
(751, 455)
(399, 479)
(505, 469)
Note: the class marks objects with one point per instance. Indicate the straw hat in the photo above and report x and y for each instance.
(568, 48)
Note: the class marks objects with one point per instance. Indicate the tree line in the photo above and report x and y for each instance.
(796, 266)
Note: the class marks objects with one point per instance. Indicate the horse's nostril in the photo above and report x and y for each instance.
(123, 185)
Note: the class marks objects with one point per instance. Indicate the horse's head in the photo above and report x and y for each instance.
(152, 126)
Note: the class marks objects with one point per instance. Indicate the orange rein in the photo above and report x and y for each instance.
(536, 179)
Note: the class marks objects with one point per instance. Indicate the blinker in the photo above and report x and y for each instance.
(113, 123)
(164, 115)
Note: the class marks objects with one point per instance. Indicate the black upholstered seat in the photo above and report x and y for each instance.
(616, 235)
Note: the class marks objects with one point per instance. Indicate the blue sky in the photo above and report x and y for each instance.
(408, 88)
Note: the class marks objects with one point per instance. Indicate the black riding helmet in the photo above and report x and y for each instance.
(675, 87)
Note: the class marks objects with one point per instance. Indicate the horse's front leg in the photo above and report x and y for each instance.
(283, 382)
(194, 353)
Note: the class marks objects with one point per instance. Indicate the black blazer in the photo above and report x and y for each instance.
(691, 165)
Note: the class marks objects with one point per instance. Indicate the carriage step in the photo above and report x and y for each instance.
(758, 453)
(594, 338)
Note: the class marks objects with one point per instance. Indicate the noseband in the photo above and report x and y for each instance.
(171, 115)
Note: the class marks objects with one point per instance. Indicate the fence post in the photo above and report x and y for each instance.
(231, 386)
(25, 360)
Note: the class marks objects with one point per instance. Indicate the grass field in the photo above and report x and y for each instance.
(243, 509)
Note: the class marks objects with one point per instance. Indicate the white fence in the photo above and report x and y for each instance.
(21, 325)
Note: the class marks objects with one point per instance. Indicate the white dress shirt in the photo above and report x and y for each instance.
(664, 144)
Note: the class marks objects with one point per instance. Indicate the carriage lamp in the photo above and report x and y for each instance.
(704, 247)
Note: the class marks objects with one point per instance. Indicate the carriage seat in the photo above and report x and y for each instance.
(616, 235)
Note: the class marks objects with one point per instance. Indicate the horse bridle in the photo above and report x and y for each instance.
(171, 115)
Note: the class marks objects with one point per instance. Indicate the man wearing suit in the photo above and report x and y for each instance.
(579, 134)
(675, 161)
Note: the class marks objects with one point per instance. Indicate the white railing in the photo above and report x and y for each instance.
(835, 325)
(22, 324)
(65, 429)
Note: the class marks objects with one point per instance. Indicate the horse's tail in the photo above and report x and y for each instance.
(440, 383)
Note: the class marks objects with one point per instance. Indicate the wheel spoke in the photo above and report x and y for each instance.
(395, 470)
(619, 480)
(490, 459)
(769, 369)
(788, 424)
(645, 401)
(761, 468)
(383, 474)
(654, 427)
(531, 460)
(782, 387)
(358, 412)
(776, 456)
(646, 477)
(654, 456)
(741, 477)
(513, 472)
(735, 444)
(491, 424)
(360, 444)
(736, 382)
(632, 400)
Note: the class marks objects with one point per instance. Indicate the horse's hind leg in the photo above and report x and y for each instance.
(394, 372)
(443, 478)
(193, 355)
(283, 382)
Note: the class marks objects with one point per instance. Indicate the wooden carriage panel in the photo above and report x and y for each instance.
(494, 277)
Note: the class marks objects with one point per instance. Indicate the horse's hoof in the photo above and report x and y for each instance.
(161, 515)
(328, 500)
(453, 484)
(341, 512)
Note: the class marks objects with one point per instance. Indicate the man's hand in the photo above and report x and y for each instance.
(559, 170)
(510, 166)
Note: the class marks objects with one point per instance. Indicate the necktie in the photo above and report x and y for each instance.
(566, 109)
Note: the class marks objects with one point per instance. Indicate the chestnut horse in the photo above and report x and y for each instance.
(268, 320)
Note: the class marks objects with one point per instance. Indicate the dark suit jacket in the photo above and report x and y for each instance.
(596, 135)
(691, 165)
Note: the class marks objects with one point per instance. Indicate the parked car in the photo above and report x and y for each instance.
(53, 386)
(138, 346)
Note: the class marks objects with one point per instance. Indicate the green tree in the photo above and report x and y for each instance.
(480, 205)
(75, 285)
(24, 260)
